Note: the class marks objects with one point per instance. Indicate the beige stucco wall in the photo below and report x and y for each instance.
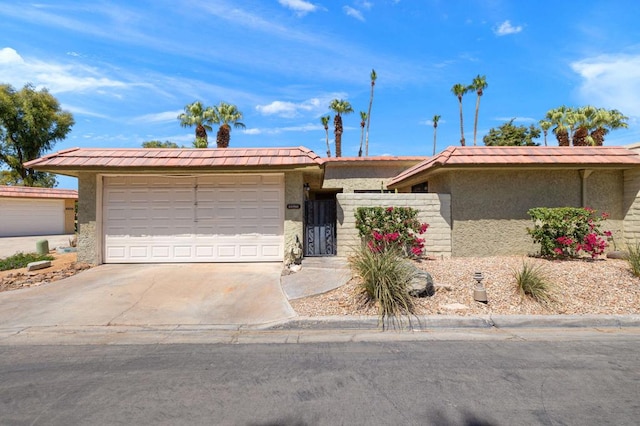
(69, 216)
(434, 209)
(293, 218)
(351, 177)
(489, 208)
(87, 228)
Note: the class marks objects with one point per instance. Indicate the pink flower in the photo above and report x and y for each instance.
(607, 233)
(423, 228)
(557, 250)
(389, 209)
(377, 236)
(416, 251)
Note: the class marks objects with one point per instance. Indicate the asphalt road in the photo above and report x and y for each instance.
(591, 381)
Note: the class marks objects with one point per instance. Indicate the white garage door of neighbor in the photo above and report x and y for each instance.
(31, 216)
(221, 218)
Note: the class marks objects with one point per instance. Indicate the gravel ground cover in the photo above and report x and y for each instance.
(603, 286)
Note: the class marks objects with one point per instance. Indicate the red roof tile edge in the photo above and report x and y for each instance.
(519, 155)
(34, 192)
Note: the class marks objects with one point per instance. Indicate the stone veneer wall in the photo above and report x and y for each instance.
(434, 209)
(293, 218)
(87, 228)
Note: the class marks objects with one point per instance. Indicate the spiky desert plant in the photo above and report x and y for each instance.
(634, 258)
(533, 282)
(384, 279)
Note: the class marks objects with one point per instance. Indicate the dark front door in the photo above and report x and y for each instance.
(320, 228)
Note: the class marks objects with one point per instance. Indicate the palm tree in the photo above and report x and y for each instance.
(325, 123)
(196, 114)
(227, 114)
(435, 120)
(363, 121)
(478, 85)
(605, 121)
(545, 125)
(557, 117)
(459, 91)
(339, 106)
(374, 77)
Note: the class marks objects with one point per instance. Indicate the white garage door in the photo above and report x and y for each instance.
(222, 218)
(31, 216)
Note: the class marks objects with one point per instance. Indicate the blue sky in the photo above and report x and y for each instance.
(126, 69)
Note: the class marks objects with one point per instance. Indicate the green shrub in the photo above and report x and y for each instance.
(634, 258)
(21, 260)
(567, 231)
(532, 281)
(385, 276)
(397, 227)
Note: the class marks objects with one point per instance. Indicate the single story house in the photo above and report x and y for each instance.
(271, 204)
(28, 211)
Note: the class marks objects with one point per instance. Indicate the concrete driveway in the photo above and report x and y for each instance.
(228, 295)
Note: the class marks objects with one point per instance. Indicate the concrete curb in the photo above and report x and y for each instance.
(452, 321)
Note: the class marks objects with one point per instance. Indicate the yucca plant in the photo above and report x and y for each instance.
(532, 281)
(634, 258)
(385, 276)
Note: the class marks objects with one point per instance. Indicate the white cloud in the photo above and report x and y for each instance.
(611, 81)
(10, 56)
(286, 109)
(58, 78)
(166, 116)
(506, 28)
(301, 7)
(354, 13)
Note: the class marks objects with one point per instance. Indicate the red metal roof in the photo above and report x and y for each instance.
(78, 158)
(490, 156)
(33, 192)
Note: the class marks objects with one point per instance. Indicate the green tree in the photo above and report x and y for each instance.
(478, 85)
(363, 122)
(325, 123)
(227, 114)
(374, 77)
(435, 120)
(31, 123)
(339, 107)
(510, 135)
(459, 90)
(159, 144)
(195, 114)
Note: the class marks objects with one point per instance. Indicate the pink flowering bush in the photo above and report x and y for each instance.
(567, 232)
(391, 227)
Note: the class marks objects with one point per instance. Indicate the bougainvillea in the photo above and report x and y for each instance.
(391, 227)
(569, 231)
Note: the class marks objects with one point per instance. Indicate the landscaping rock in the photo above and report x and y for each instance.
(38, 265)
(618, 254)
(422, 284)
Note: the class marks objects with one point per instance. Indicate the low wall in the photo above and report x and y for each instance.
(434, 209)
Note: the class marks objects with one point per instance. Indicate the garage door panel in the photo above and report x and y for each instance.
(224, 218)
(24, 216)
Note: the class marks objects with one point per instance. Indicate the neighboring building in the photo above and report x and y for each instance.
(28, 211)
